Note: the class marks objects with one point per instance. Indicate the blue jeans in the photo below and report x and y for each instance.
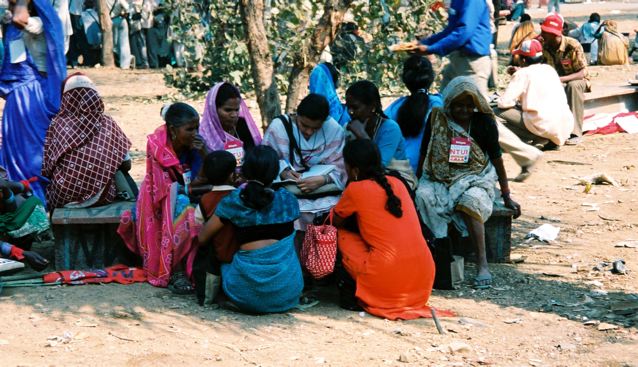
(553, 6)
(121, 45)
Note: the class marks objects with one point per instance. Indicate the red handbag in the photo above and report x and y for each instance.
(319, 249)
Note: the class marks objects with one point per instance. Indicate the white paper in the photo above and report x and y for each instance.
(628, 123)
(17, 51)
(545, 233)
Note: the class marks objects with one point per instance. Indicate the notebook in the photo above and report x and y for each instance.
(318, 170)
(6, 265)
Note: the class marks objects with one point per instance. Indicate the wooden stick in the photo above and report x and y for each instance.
(122, 338)
(439, 327)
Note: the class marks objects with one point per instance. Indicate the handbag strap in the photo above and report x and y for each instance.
(294, 147)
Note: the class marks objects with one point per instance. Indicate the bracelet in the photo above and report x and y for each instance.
(326, 179)
(505, 194)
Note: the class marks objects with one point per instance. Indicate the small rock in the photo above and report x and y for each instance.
(591, 322)
(619, 267)
(597, 293)
(605, 326)
(513, 321)
(595, 283)
(535, 362)
(401, 332)
(406, 358)
(458, 347)
(517, 258)
(320, 360)
(566, 347)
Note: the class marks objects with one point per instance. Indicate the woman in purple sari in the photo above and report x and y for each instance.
(32, 98)
(227, 123)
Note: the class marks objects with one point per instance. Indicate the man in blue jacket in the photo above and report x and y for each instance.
(465, 41)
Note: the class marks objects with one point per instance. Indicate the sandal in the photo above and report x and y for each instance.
(179, 284)
(483, 281)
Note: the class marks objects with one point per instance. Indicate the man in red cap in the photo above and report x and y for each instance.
(566, 55)
(533, 110)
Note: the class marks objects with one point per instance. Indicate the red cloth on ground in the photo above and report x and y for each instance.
(121, 274)
(389, 259)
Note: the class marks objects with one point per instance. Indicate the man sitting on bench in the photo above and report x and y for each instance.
(566, 55)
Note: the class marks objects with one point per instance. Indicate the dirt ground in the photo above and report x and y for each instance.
(561, 306)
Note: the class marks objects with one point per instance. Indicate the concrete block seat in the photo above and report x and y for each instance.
(87, 238)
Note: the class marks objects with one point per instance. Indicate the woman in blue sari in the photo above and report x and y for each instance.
(32, 98)
(264, 275)
(323, 80)
(412, 112)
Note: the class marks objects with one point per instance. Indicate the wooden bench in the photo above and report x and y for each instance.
(87, 238)
(611, 98)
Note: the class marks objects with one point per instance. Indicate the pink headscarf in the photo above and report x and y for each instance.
(211, 127)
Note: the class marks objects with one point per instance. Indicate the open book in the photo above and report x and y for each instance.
(318, 170)
(6, 265)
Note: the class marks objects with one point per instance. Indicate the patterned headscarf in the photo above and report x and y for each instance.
(83, 148)
(211, 127)
(462, 86)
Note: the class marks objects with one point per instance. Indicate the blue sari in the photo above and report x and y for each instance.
(413, 144)
(321, 82)
(268, 279)
(31, 100)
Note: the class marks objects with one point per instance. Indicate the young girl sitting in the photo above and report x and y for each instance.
(219, 171)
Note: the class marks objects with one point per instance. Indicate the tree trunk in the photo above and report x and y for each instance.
(308, 57)
(107, 33)
(260, 59)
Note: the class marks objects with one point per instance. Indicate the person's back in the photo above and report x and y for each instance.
(544, 103)
(386, 256)
(613, 46)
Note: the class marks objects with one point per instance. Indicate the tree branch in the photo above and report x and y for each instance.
(306, 59)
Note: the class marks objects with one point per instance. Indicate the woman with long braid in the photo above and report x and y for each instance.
(386, 256)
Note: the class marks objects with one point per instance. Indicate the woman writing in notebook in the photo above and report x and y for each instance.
(305, 140)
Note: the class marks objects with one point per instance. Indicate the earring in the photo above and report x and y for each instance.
(173, 136)
(356, 177)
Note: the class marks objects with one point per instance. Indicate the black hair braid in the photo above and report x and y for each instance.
(393, 204)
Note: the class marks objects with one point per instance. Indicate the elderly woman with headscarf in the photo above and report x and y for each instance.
(83, 149)
(461, 165)
(227, 123)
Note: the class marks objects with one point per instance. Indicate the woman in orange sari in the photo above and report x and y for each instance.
(387, 256)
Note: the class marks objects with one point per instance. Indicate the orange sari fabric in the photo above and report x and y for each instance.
(389, 258)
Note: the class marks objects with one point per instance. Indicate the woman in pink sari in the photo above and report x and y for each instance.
(162, 229)
(227, 123)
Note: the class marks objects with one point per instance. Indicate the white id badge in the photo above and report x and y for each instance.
(17, 51)
(186, 176)
(460, 150)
